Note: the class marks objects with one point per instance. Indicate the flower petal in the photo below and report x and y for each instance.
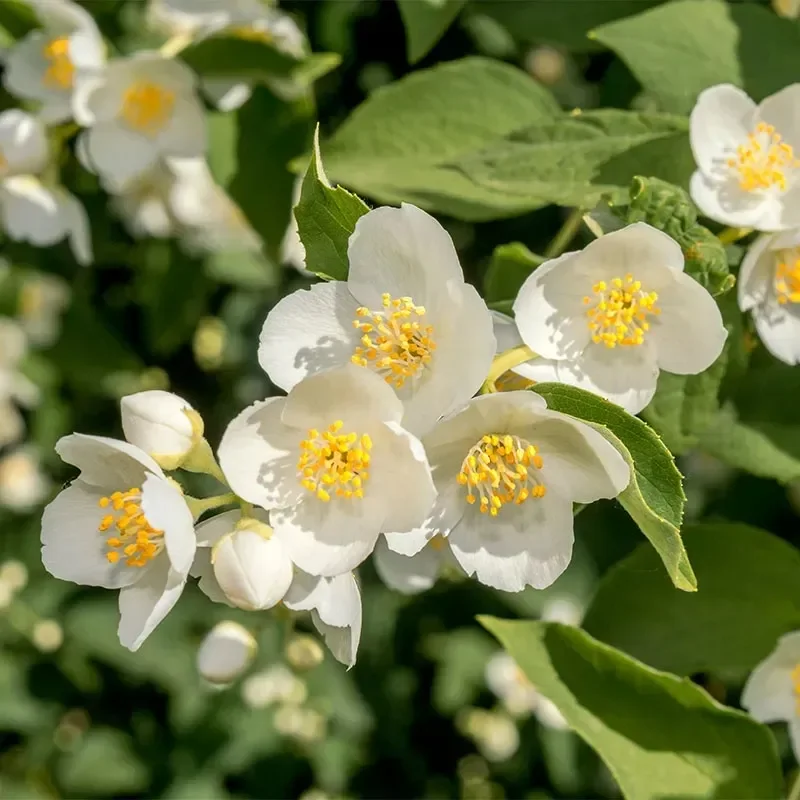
(782, 110)
(23, 142)
(165, 509)
(118, 154)
(145, 603)
(524, 545)
(727, 203)
(505, 330)
(768, 694)
(408, 574)
(778, 327)
(689, 334)
(308, 331)
(210, 531)
(755, 273)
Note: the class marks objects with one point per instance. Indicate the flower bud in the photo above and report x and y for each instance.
(251, 566)
(304, 652)
(162, 424)
(226, 652)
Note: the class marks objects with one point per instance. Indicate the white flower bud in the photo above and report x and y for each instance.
(162, 424)
(251, 566)
(226, 652)
(304, 652)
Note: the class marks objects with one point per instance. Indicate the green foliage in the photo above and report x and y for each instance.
(425, 22)
(749, 597)
(659, 735)
(654, 498)
(511, 264)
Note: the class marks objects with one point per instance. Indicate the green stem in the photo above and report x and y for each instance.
(731, 235)
(201, 459)
(503, 363)
(199, 505)
(565, 234)
(794, 791)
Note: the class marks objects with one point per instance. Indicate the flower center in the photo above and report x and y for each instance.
(761, 162)
(396, 343)
(787, 278)
(620, 311)
(332, 462)
(499, 469)
(60, 72)
(147, 107)
(132, 536)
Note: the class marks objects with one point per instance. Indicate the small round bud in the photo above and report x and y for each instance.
(14, 574)
(48, 635)
(251, 566)
(304, 652)
(22, 483)
(546, 64)
(162, 424)
(226, 652)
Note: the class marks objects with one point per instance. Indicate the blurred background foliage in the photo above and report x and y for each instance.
(82, 717)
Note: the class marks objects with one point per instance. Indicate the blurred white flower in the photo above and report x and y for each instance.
(48, 64)
(332, 465)
(42, 299)
(769, 287)
(276, 684)
(609, 317)
(47, 635)
(507, 470)
(226, 652)
(566, 609)
(747, 158)
(302, 724)
(413, 573)
(404, 313)
(23, 485)
(121, 524)
(510, 685)
(32, 210)
(15, 388)
(14, 574)
(196, 17)
(304, 652)
(162, 424)
(142, 109)
(495, 734)
(293, 252)
(772, 692)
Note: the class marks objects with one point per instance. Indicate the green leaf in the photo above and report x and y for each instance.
(16, 20)
(511, 264)
(425, 22)
(237, 57)
(326, 217)
(660, 736)
(654, 498)
(681, 48)
(404, 141)
(750, 597)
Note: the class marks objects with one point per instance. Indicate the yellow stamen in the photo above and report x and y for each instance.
(334, 463)
(762, 161)
(787, 277)
(60, 73)
(796, 688)
(134, 537)
(619, 312)
(147, 107)
(500, 469)
(395, 342)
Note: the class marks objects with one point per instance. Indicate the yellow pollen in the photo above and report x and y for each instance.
(618, 312)
(787, 277)
(147, 107)
(132, 536)
(60, 72)
(396, 343)
(437, 543)
(761, 162)
(500, 469)
(334, 463)
(796, 688)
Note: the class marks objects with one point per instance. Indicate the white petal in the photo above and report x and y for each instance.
(145, 603)
(30, 211)
(117, 154)
(626, 376)
(755, 273)
(253, 572)
(768, 694)
(721, 120)
(76, 225)
(524, 545)
(349, 393)
(726, 203)
(166, 510)
(155, 421)
(226, 652)
(548, 310)
(23, 142)
(185, 137)
(25, 67)
(307, 331)
(259, 455)
(73, 548)
(408, 574)
(87, 49)
(689, 334)
(538, 370)
(225, 94)
(505, 331)
(782, 110)
(778, 327)
(107, 463)
(402, 251)
(210, 531)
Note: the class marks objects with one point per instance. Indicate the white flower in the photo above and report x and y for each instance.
(42, 299)
(142, 109)
(226, 652)
(193, 17)
(293, 251)
(769, 287)
(121, 524)
(609, 317)
(404, 312)
(746, 154)
(507, 471)
(23, 485)
(241, 563)
(510, 684)
(332, 465)
(15, 388)
(47, 65)
(495, 734)
(31, 210)
(162, 424)
(414, 573)
(772, 692)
